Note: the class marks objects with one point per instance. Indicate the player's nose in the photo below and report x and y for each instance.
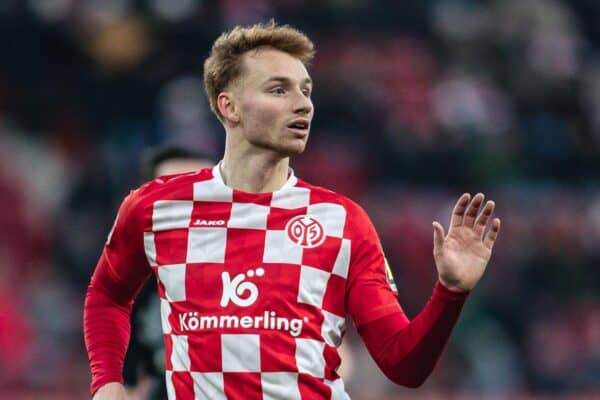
(302, 104)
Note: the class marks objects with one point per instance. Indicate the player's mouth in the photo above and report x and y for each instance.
(299, 127)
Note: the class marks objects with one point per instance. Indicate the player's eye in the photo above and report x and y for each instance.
(306, 92)
(278, 90)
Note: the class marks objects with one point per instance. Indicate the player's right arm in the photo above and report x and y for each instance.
(119, 275)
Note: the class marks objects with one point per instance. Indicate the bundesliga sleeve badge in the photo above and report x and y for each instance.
(389, 275)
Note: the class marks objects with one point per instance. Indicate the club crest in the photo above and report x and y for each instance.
(305, 231)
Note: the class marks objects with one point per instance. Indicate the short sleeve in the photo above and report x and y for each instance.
(372, 293)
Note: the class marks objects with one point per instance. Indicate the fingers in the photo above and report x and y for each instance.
(458, 212)
(483, 217)
(490, 237)
(473, 210)
(438, 236)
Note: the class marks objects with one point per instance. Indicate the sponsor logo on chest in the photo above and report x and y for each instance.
(242, 293)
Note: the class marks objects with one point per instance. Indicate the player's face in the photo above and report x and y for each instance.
(273, 98)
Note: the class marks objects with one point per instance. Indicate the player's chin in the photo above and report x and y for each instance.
(294, 149)
(291, 147)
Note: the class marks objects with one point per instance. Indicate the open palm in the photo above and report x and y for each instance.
(462, 256)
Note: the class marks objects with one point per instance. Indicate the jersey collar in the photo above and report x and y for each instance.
(291, 181)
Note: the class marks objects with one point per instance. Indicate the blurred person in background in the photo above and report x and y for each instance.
(251, 225)
(143, 369)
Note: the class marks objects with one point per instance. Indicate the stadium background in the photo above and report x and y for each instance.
(416, 102)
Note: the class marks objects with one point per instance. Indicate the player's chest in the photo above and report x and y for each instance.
(232, 264)
(245, 234)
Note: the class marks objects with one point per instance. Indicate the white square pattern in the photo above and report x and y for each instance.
(240, 353)
(173, 279)
(291, 198)
(209, 386)
(312, 285)
(170, 387)
(342, 262)
(309, 357)
(206, 245)
(171, 214)
(338, 392)
(165, 312)
(333, 328)
(180, 358)
(332, 216)
(150, 248)
(248, 215)
(280, 385)
(279, 249)
(212, 190)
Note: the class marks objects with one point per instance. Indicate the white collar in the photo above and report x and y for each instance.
(291, 181)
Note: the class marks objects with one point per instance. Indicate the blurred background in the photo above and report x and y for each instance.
(416, 102)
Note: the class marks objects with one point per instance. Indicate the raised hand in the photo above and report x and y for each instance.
(462, 256)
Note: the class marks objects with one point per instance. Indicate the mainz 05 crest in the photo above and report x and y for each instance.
(305, 231)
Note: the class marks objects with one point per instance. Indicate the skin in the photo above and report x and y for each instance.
(273, 90)
(257, 109)
(462, 255)
(111, 391)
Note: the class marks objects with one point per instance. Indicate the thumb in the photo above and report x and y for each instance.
(438, 236)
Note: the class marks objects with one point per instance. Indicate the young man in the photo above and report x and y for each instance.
(257, 269)
(143, 369)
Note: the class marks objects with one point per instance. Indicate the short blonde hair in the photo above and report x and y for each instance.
(224, 64)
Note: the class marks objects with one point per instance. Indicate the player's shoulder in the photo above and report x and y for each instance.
(171, 187)
(320, 194)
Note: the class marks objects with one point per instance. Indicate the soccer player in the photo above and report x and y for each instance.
(143, 369)
(257, 269)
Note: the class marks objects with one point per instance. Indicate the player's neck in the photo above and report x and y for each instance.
(254, 173)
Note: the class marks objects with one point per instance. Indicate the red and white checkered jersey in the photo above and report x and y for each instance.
(254, 288)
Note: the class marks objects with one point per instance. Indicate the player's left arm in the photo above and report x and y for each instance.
(407, 350)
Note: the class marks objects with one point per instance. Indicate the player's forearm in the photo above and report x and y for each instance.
(106, 323)
(408, 352)
(106, 330)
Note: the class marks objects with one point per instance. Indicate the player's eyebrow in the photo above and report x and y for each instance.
(306, 81)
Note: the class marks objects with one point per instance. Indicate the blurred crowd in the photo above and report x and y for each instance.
(416, 102)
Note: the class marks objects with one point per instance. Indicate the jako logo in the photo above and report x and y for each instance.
(241, 293)
(305, 231)
(205, 222)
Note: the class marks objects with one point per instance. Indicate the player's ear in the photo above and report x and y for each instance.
(227, 107)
